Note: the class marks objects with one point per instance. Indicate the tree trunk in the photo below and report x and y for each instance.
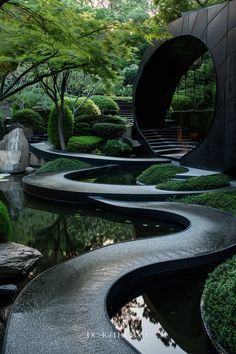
(60, 112)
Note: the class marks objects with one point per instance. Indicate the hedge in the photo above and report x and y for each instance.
(108, 130)
(82, 129)
(53, 126)
(29, 118)
(196, 183)
(159, 173)
(62, 164)
(84, 143)
(219, 304)
(116, 147)
(106, 104)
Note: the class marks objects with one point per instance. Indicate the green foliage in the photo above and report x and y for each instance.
(196, 183)
(116, 147)
(30, 119)
(108, 130)
(220, 303)
(225, 201)
(89, 119)
(82, 129)
(53, 126)
(106, 104)
(113, 119)
(83, 143)
(159, 173)
(84, 106)
(182, 103)
(5, 223)
(62, 164)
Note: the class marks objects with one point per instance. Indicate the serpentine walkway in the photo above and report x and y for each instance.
(64, 310)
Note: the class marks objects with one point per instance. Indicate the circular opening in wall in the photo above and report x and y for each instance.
(175, 95)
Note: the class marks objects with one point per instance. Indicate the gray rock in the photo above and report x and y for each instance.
(14, 152)
(29, 170)
(27, 131)
(35, 160)
(16, 259)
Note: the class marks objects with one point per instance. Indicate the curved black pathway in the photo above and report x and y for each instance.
(46, 151)
(63, 311)
(61, 187)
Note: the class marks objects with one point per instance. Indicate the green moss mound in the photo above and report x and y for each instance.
(196, 183)
(116, 147)
(106, 104)
(108, 130)
(29, 119)
(225, 201)
(53, 126)
(159, 173)
(5, 223)
(84, 143)
(62, 164)
(219, 311)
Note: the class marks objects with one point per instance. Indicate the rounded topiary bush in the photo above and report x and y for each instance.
(116, 147)
(89, 119)
(83, 143)
(85, 106)
(113, 119)
(108, 130)
(159, 173)
(82, 129)
(53, 126)
(29, 119)
(62, 164)
(5, 223)
(219, 305)
(106, 104)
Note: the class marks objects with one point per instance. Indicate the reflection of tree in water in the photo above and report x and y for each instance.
(127, 319)
(61, 237)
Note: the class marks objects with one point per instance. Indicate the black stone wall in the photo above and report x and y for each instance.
(210, 29)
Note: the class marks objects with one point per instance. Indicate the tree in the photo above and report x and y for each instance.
(169, 10)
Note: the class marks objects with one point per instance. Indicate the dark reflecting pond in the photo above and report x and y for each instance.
(165, 317)
(124, 175)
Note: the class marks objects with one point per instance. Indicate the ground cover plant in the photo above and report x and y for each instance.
(62, 164)
(159, 173)
(225, 201)
(5, 223)
(220, 303)
(196, 183)
(86, 143)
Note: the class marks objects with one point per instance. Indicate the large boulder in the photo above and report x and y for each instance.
(16, 259)
(14, 152)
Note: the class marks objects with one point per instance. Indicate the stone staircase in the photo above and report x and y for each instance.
(126, 110)
(173, 142)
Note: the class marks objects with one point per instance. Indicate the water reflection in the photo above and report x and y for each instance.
(165, 318)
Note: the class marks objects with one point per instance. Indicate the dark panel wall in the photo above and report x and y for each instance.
(212, 29)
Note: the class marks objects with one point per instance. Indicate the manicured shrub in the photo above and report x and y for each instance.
(159, 173)
(83, 143)
(30, 119)
(106, 104)
(225, 201)
(82, 129)
(62, 164)
(219, 304)
(112, 119)
(89, 119)
(5, 223)
(116, 147)
(85, 106)
(182, 103)
(53, 126)
(108, 130)
(196, 183)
